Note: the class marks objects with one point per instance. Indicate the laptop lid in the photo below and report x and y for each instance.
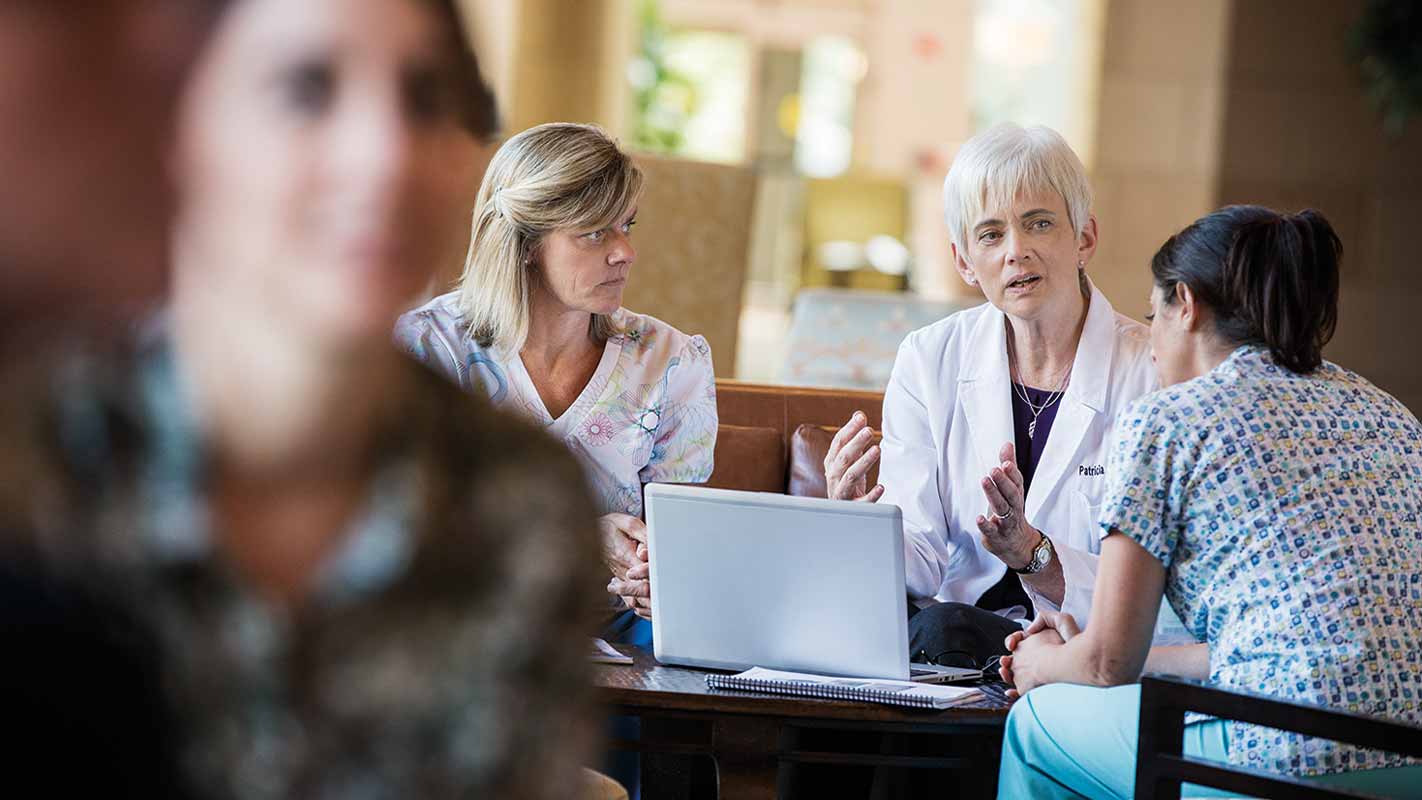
(743, 579)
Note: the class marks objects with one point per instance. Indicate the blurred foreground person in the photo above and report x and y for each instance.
(87, 94)
(358, 581)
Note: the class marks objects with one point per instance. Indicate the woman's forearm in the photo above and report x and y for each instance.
(1115, 645)
(1083, 660)
(1186, 660)
(1050, 583)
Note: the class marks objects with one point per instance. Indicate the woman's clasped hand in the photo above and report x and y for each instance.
(624, 551)
(1051, 629)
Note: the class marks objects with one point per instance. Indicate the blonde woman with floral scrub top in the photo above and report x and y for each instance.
(537, 325)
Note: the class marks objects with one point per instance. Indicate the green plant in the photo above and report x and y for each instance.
(1386, 44)
(664, 98)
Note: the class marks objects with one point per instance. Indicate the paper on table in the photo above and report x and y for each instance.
(604, 653)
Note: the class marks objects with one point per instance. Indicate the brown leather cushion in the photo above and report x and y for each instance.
(808, 447)
(749, 458)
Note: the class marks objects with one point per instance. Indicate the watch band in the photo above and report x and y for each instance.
(1036, 565)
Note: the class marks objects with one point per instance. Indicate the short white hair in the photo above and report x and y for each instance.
(1004, 161)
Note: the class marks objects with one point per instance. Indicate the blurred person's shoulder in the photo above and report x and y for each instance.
(72, 426)
(507, 512)
(493, 464)
(503, 583)
(470, 433)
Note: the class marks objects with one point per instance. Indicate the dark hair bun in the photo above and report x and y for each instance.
(1269, 278)
(1282, 278)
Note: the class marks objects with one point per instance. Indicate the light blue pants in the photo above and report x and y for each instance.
(1068, 741)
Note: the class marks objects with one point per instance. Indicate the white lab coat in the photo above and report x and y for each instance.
(947, 414)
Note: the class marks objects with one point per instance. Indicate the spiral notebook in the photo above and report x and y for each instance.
(872, 690)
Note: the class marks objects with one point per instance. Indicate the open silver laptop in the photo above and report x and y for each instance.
(749, 579)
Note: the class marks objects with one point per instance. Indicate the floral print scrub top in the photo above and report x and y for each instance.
(1285, 509)
(647, 415)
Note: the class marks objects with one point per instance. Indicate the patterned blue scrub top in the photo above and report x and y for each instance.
(1285, 510)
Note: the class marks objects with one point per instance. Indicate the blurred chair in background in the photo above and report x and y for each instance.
(775, 438)
(846, 324)
(848, 338)
(693, 241)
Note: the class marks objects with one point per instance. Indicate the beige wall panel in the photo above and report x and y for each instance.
(770, 24)
(1158, 132)
(570, 63)
(1200, 138)
(1146, 211)
(1291, 44)
(1149, 136)
(1397, 222)
(1300, 133)
(1168, 41)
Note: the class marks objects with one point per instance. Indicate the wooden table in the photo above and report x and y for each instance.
(750, 736)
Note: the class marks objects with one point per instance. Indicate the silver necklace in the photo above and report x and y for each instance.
(1021, 388)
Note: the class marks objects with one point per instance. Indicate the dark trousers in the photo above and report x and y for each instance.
(962, 635)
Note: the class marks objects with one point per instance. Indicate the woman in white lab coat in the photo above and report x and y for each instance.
(997, 419)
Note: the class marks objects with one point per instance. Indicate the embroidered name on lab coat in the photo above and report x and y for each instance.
(1093, 471)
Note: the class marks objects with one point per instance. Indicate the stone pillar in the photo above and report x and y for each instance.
(1157, 154)
(570, 63)
(556, 60)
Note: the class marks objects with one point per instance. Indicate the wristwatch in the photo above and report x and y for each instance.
(1041, 557)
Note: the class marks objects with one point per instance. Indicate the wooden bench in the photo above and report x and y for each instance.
(774, 438)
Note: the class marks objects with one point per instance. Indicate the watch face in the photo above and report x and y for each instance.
(1042, 555)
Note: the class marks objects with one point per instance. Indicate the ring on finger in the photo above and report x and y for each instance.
(996, 517)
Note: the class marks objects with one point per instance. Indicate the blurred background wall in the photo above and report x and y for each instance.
(837, 120)
(1299, 132)
(1259, 101)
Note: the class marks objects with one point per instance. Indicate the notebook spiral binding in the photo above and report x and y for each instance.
(820, 690)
